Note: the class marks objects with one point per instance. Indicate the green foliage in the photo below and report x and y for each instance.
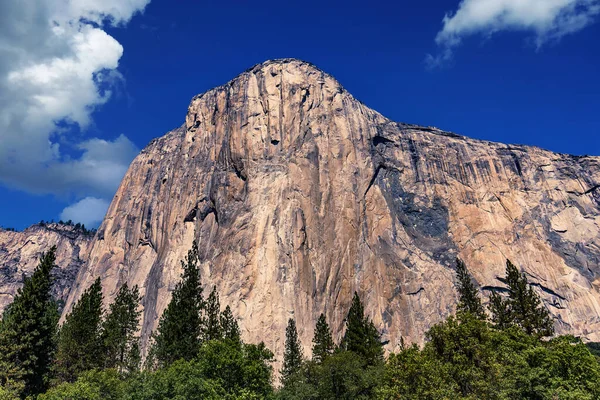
(180, 327)
(414, 375)
(361, 336)
(222, 370)
(292, 356)
(28, 333)
(501, 315)
(342, 375)
(594, 348)
(11, 391)
(213, 316)
(468, 359)
(323, 345)
(237, 368)
(181, 380)
(465, 350)
(91, 385)
(523, 306)
(120, 345)
(79, 344)
(469, 301)
(229, 326)
(563, 368)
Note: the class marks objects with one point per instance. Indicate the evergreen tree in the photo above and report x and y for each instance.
(469, 301)
(213, 313)
(180, 327)
(229, 326)
(28, 331)
(292, 356)
(119, 328)
(323, 345)
(523, 306)
(134, 358)
(79, 341)
(501, 316)
(361, 336)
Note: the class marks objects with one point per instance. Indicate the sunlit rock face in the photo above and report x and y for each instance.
(20, 253)
(298, 195)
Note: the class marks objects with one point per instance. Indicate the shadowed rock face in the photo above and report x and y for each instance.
(20, 253)
(298, 195)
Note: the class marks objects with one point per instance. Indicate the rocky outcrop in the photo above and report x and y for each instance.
(298, 195)
(20, 253)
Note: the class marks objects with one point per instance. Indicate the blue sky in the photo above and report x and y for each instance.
(85, 84)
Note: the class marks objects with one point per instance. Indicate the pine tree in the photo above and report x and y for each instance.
(523, 306)
(501, 317)
(361, 336)
(229, 326)
(469, 301)
(119, 328)
(28, 331)
(134, 358)
(79, 341)
(180, 327)
(213, 313)
(292, 356)
(323, 345)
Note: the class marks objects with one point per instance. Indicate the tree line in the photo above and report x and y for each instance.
(502, 351)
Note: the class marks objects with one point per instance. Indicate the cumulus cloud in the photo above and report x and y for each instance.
(88, 211)
(544, 20)
(57, 66)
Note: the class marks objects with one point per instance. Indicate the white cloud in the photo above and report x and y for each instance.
(546, 20)
(89, 211)
(57, 65)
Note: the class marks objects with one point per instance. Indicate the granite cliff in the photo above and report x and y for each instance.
(298, 195)
(20, 253)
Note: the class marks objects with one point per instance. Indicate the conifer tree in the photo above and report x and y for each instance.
(229, 326)
(119, 328)
(501, 316)
(323, 345)
(213, 313)
(134, 358)
(292, 356)
(28, 331)
(523, 306)
(469, 301)
(79, 342)
(361, 336)
(180, 327)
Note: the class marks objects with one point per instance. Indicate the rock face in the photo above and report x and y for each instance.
(298, 195)
(20, 253)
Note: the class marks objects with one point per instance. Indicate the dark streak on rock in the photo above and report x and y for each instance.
(415, 293)
(547, 290)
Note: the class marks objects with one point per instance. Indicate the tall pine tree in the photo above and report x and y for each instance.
(213, 314)
(323, 345)
(229, 326)
(292, 356)
(79, 341)
(181, 325)
(469, 301)
(28, 331)
(523, 307)
(361, 336)
(119, 328)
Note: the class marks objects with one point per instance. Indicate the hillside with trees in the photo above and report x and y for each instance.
(506, 351)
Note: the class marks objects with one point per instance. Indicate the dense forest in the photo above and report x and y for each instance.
(507, 351)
